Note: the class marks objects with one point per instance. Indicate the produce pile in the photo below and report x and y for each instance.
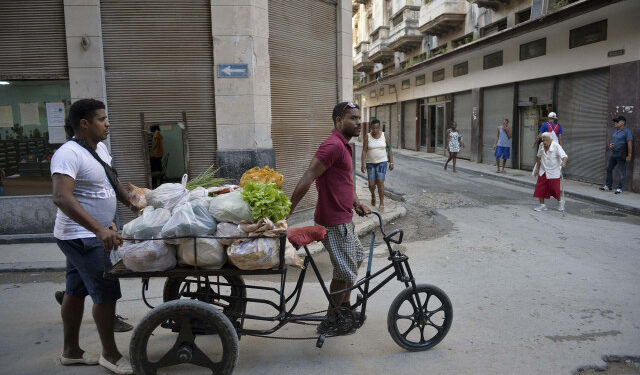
(213, 223)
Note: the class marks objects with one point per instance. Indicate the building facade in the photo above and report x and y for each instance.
(420, 65)
(233, 84)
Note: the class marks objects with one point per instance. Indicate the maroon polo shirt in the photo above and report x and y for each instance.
(335, 185)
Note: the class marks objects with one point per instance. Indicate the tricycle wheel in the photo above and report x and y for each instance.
(188, 314)
(228, 298)
(417, 326)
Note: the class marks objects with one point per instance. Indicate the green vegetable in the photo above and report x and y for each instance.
(266, 200)
(206, 179)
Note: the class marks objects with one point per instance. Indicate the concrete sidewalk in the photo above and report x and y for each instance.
(38, 257)
(627, 201)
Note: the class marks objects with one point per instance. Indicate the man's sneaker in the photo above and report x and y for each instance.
(605, 188)
(59, 296)
(618, 191)
(119, 324)
(561, 205)
(542, 207)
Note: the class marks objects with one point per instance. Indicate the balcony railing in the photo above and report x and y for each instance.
(439, 17)
(361, 61)
(404, 35)
(379, 50)
(491, 4)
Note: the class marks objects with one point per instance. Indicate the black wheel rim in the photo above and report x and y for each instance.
(422, 320)
(184, 350)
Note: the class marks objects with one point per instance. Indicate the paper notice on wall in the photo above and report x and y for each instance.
(29, 114)
(57, 135)
(6, 116)
(55, 114)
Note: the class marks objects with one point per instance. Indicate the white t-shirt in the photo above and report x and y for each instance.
(92, 188)
(551, 160)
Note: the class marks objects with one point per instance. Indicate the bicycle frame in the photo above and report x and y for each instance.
(399, 266)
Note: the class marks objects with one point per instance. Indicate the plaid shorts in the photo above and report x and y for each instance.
(345, 250)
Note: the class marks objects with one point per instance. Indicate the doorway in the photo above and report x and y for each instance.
(531, 118)
(423, 128)
(440, 124)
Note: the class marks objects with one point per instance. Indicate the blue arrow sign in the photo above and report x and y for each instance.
(233, 70)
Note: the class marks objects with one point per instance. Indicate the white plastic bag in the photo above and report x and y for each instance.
(198, 193)
(230, 208)
(148, 256)
(228, 230)
(148, 225)
(210, 253)
(190, 219)
(169, 195)
(261, 253)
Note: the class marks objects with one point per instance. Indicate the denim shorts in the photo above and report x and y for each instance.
(377, 171)
(502, 152)
(85, 268)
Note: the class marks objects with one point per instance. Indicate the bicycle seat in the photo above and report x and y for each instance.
(300, 237)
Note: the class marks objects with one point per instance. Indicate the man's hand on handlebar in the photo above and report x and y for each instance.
(362, 210)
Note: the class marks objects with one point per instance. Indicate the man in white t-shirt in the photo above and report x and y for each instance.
(86, 202)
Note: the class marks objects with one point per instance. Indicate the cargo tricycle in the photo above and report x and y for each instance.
(198, 302)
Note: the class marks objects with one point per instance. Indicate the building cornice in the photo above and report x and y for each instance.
(570, 11)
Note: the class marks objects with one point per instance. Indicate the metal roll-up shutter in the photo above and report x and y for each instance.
(462, 117)
(32, 36)
(158, 58)
(497, 105)
(582, 110)
(383, 116)
(409, 119)
(304, 84)
(540, 89)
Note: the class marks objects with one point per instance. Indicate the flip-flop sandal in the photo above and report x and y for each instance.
(87, 359)
(121, 367)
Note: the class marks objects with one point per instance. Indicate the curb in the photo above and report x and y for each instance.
(10, 239)
(390, 193)
(34, 267)
(508, 179)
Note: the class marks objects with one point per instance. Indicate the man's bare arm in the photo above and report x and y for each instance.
(63, 198)
(315, 170)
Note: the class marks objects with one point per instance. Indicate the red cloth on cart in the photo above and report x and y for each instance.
(300, 237)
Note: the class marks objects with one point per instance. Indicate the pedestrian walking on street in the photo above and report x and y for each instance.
(502, 145)
(376, 156)
(85, 189)
(454, 144)
(550, 126)
(551, 158)
(119, 324)
(155, 156)
(332, 170)
(621, 150)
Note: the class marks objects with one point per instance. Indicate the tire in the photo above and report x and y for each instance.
(232, 308)
(397, 320)
(188, 312)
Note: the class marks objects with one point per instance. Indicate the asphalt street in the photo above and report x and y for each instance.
(532, 292)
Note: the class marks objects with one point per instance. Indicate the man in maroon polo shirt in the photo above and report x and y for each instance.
(332, 170)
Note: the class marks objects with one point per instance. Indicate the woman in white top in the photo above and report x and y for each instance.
(551, 158)
(376, 156)
(454, 143)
